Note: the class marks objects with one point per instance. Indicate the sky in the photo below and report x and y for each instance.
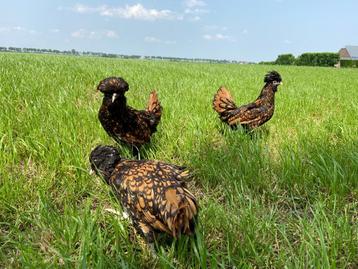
(243, 30)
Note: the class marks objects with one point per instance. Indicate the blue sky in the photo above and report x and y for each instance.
(256, 30)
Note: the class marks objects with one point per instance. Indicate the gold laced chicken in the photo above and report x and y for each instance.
(251, 115)
(152, 193)
(122, 122)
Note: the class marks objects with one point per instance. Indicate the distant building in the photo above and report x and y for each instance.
(348, 54)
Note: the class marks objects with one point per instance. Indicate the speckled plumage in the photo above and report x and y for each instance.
(153, 193)
(122, 122)
(251, 115)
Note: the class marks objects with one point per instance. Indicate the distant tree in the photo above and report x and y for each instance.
(349, 63)
(74, 52)
(15, 49)
(267, 63)
(109, 55)
(318, 59)
(112, 55)
(285, 59)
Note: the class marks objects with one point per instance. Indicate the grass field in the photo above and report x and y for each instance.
(286, 197)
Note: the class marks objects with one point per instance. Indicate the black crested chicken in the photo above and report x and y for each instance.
(251, 115)
(122, 122)
(152, 193)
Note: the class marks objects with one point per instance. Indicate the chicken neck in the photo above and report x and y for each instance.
(268, 93)
(119, 105)
(106, 168)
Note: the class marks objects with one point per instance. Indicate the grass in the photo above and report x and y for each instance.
(286, 197)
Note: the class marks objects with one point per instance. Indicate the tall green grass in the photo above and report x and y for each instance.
(284, 197)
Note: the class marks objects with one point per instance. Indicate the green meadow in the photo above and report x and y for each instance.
(285, 196)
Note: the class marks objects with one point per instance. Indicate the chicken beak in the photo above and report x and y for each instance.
(91, 172)
(114, 96)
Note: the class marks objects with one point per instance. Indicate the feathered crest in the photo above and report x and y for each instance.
(272, 76)
(113, 85)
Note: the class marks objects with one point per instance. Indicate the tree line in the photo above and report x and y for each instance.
(112, 55)
(67, 52)
(307, 59)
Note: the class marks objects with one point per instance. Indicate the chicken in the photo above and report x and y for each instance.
(251, 115)
(152, 193)
(122, 122)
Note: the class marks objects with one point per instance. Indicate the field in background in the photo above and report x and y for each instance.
(285, 196)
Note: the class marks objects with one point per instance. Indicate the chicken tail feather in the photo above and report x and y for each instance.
(185, 220)
(223, 104)
(181, 212)
(155, 109)
(154, 104)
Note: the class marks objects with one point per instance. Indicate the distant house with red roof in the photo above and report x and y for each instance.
(348, 56)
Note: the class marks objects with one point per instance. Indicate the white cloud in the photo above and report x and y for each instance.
(196, 11)
(152, 39)
(191, 12)
(245, 31)
(211, 28)
(170, 42)
(85, 34)
(19, 29)
(195, 7)
(195, 18)
(136, 11)
(82, 33)
(55, 30)
(111, 34)
(217, 32)
(288, 42)
(83, 9)
(194, 3)
(216, 37)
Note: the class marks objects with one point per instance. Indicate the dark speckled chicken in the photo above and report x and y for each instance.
(251, 115)
(122, 122)
(153, 193)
